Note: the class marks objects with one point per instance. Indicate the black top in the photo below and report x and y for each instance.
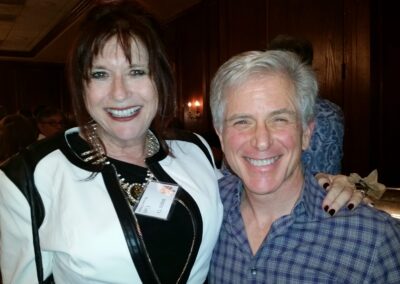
(171, 244)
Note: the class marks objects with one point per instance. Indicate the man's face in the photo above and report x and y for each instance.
(262, 136)
(51, 125)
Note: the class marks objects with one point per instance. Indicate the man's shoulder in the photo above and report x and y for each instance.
(372, 222)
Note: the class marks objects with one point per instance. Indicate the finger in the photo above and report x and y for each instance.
(355, 200)
(339, 192)
(368, 201)
(339, 196)
(324, 180)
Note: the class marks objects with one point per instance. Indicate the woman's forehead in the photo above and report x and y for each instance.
(135, 49)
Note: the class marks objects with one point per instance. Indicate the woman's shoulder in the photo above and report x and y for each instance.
(17, 167)
(34, 152)
(181, 135)
(185, 136)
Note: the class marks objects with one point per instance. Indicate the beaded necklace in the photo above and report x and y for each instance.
(97, 156)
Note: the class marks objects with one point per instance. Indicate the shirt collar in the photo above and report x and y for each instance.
(310, 201)
(308, 205)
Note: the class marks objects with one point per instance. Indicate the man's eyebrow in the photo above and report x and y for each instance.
(284, 111)
(238, 116)
(275, 112)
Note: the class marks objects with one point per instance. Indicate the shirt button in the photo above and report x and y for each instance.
(254, 271)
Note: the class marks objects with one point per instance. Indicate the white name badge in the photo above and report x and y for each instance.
(157, 199)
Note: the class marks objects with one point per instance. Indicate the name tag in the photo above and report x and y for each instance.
(157, 199)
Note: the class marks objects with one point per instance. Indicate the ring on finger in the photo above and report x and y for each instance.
(362, 192)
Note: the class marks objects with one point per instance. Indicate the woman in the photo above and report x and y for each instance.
(122, 87)
(97, 193)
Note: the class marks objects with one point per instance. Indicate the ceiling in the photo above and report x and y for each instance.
(41, 30)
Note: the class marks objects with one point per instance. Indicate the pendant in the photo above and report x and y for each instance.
(134, 191)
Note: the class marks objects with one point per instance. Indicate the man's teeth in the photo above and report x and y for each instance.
(123, 112)
(262, 162)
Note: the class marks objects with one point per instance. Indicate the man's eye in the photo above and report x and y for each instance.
(281, 119)
(240, 122)
(98, 75)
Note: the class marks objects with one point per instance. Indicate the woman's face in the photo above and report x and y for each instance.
(121, 97)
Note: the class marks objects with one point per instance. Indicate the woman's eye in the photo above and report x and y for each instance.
(98, 75)
(137, 72)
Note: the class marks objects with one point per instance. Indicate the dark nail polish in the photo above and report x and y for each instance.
(325, 185)
(326, 208)
(332, 212)
(350, 206)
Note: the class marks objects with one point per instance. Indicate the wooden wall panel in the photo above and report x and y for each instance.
(321, 22)
(339, 31)
(242, 26)
(385, 114)
(8, 87)
(189, 36)
(27, 85)
(357, 87)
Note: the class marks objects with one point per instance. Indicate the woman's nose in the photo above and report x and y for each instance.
(119, 90)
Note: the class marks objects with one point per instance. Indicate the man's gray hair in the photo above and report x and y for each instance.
(273, 62)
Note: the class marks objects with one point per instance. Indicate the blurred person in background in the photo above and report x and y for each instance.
(16, 133)
(50, 121)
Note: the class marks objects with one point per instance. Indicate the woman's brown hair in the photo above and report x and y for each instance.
(126, 22)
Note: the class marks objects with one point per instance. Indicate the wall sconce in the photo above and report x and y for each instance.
(194, 109)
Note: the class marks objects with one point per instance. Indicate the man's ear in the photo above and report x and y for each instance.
(219, 134)
(307, 133)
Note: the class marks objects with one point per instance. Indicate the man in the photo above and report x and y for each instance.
(273, 230)
(325, 152)
(49, 121)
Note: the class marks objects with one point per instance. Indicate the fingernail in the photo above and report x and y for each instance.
(350, 206)
(326, 208)
(371, 204)
(332, 212)
(325, 185)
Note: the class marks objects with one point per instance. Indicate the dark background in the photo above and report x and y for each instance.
(356, 55)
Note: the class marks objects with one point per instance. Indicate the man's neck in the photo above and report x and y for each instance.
(260, 211)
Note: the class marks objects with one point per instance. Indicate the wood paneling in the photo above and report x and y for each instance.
(385, 114)
(190, 38)
(363, 81)
(357, 87)
(27, 85)
(321, 22)
(242, 26)
(339, 31)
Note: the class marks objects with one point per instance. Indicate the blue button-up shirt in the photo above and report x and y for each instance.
(307, 246)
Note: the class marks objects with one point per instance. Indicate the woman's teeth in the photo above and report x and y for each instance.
(121, 113)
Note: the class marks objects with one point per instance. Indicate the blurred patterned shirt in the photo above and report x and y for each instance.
(325, 152)
(307, 246)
